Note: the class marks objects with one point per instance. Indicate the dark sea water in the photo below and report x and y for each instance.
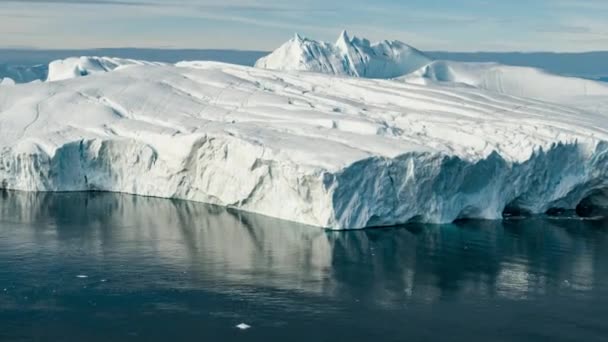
(109, 267)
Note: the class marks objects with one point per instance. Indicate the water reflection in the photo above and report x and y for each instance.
(200, 239)
(389, 267)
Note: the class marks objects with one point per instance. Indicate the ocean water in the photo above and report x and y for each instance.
(112, 267)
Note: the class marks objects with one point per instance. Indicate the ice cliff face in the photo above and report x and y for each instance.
(317, 149)
(348, 56)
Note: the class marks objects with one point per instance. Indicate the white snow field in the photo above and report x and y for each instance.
(396, 60)
(516, 81)
(83, 66)
(348, 56)
(323, 150)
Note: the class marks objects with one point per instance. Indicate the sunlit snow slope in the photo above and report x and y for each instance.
(348, 56)
(323, 150)
(396, 60)
(83, 66)
(515, 81)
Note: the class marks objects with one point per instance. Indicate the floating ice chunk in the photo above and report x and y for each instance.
(243, 326)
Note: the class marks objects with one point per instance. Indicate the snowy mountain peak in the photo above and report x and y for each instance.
(348, 56)
(343, 39)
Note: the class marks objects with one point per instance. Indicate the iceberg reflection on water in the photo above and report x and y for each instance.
(177, 252)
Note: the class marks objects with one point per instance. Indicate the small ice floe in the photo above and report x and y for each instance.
(82, 276)
(243, 326)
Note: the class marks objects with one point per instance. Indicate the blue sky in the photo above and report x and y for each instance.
(455, 25)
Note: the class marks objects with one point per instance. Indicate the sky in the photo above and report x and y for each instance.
(449, 25)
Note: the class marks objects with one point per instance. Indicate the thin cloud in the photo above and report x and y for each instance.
(82, 2)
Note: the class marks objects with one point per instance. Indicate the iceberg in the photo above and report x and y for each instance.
(515, 81)
(357, 57)
(11, 74)
(63, 69)
(83, 66)
(322, 150)
(348, 56)
(6, 81)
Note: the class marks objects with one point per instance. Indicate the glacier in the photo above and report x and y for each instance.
(324, 150)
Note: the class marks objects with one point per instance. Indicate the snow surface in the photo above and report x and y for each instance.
(323, 150)
(512, 80)
(396, 60)
(63, 69)
(348, 56)
(6, 81)
(82, 66)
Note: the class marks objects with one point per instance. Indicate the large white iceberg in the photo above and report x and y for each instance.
(396, 60)
(348, 56)
(323, 150)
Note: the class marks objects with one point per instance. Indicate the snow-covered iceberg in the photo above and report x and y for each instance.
(323, 150)
(83, 66)
(11, 74)
(6, 81)
(348, 56)
(513, 80)
(63, 69)
(396, 60)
